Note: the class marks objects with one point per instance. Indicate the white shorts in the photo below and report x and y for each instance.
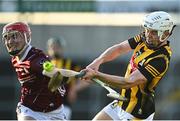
(68, 112)
(117, 113)
(57, 114)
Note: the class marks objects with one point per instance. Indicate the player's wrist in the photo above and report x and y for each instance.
(96, 74)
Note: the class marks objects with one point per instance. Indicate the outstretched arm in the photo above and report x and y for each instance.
(110, 54)
(134, 79)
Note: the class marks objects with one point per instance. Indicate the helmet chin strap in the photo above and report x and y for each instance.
(20, 51)
(162, 40)
(160, 34)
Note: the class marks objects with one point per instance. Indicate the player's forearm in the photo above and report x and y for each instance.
(114, 81)
(114, 51)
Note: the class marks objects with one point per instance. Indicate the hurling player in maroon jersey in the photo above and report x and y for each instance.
(37, 102)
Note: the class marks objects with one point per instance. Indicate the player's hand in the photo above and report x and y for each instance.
(94, 65)
(90, 73)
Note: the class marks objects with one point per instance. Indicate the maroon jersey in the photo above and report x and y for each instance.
(34, 85)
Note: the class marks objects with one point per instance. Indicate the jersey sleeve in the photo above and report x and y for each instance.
(133, 42)
(153, 68)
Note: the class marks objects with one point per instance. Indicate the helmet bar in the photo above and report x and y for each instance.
(11, 34)
(18, 26)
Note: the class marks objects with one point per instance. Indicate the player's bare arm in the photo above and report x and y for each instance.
(134, 79)
(110, 54)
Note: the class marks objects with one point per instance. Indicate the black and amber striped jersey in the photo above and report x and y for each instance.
(65, 64)
(153, 64)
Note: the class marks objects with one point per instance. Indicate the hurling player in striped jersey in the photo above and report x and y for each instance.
(148, 64)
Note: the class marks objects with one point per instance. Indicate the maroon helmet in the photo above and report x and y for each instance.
(20, 27)
(14, 28)
(17, 26)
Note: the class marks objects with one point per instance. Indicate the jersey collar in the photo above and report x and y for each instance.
(25, 53)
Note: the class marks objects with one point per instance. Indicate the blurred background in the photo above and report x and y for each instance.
(89, 27)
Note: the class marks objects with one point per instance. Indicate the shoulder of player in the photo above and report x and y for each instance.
(35, 53)
(139, 38)
(159, 58)
(168, 49)
(165, 50)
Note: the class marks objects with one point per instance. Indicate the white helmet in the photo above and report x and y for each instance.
(160, 21)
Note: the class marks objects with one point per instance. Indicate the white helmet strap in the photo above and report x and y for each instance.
(26, 43)
(26, 39)
(160, 34)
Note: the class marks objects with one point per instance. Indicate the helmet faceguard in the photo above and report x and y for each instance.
(159, 21)
(11, 29)
(20, 27)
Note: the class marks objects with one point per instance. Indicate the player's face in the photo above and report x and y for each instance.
(152, 38)
(55, 50)
(14, 41)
